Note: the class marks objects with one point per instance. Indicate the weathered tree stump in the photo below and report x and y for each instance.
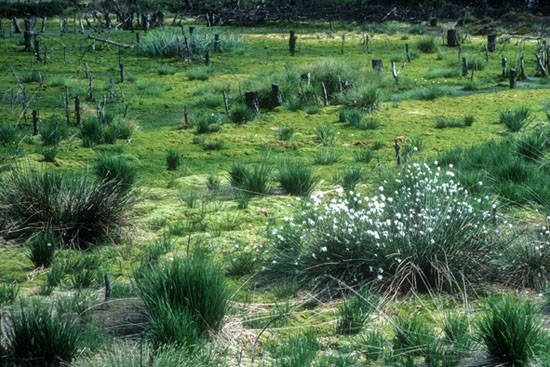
(397, 153)
(491, 42)
(452, 38)
(78, 110)
(252, 101)
(292, 43)
(43, 26)
(35, 119)
(145, 22)
(464, 66)
(276, 97)
(216, 43)
(513, 77)
(377, 65)
(207, 61)
(325, 94)
(37, 53)
(306, 77)
(343, 42)
(191, 31)
(138, 39)
(27, 34)
(90, 88)
(225, 103)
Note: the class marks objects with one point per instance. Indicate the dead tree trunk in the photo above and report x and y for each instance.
(121, 73)
(522, 75)
(35, 119)
(464, 66)
(43, 27)
(252, 102)
(216, 43)
(541, 64)
(292, 43)
(37, 53)
(78, 110)
(407, 52)
(16, 27)
(491, 42)
(377, 65)
(452, 38)
(325, 94)
(27, 34)
(276, 97)
(395, 72)
(513, 82)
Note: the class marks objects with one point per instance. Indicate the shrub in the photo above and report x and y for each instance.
(516, 119)
(79, 209)
(363, 155)
(326, 156)
(53, 131)
(284, 133)
(251, 180)
(296, 178)
(355, 311)
(190, 290)
(350, 116)
(8, 293)
(442, 246)
(241, 114)
(468, 120)
(511, 330)
(173, 160)
(49, 153)
(446, 122)
(115, 170)
(42, 247)
(199, 73)
(91, 132)
(350, 177)
(363, 98)
(325, 135)
(41, 334)
(427, 45)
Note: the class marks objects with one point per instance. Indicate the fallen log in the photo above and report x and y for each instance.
(110, 42)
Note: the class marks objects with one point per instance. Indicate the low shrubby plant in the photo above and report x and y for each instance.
(444, 244)
(326, 156)
(325, 135)
(296, 178)
(511, 330)
(284, 133)
(206, 123)
(241, 114)
(516, 119)
(362, 98)
(427, 45)
(116, 170)
(252, 180)
(173, 159)
(363, 155)
(79, 209)
(42, 248)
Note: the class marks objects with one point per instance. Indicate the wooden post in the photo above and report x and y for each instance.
(37, 48)
(81, 25)
(119, 55)
(216, 43)
(121, 73)
(377, 65)
(325, 95)
(407, 52)
(91, 88)
(252, 102)
(495, 216)
(27, 34)
(107, 287)
(459, 52)
(452, 38)
(43, 27)
(464, 66)
(225, 103)
(35, 119)
(513, 82)
(78, 110)
(138, 39)
(306, 77)
(343, 42)
(397, 153)
(191, 31)
(207, 61)
(292, 43)
(522, 75)
(491, 42)
(276, 95)
(367, 41)
(486, 53)
(503, 68)
(17, 28)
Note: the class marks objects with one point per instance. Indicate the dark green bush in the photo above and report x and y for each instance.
(91, 132)
(173, 160)
(427, 45)
(241, 114)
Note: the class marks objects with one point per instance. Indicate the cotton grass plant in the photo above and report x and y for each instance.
(421, 231)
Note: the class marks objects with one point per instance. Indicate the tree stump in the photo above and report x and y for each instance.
(216, 43)
(138, 39)
(513, 79)
(292, 43)
(325, 94)
(522, 74)
(35, 122)
(276, 97)
(78, 110)
(37, 53)
(27, 34)
(207, 61)
(377, 65)
(492, 42)
(306, 77)
(43, 26)
(252, 101)
(452, 38)
(226, 103)
(191, 31)
(407, 52)
(464, 66)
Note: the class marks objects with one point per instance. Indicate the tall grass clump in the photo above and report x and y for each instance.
(91, 132)
(284, 133)
(427, 45)
(331, 72)
(77, 208)
(206, 123)
(362, 98)
(326, 156)
(511, 330)
(173, 159)
(447, 122)
(241, 114)
(8, 294)
(355, 311)
(516, 119)
(296, 178)
(297, 351)
(9, 134)
(252, 180)
(116, 170)
(42, 248)
(445, 244)
(184, 297)
(413, 337)
(53, 131)
(350, 177)
(39, 333)
(363, 155)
